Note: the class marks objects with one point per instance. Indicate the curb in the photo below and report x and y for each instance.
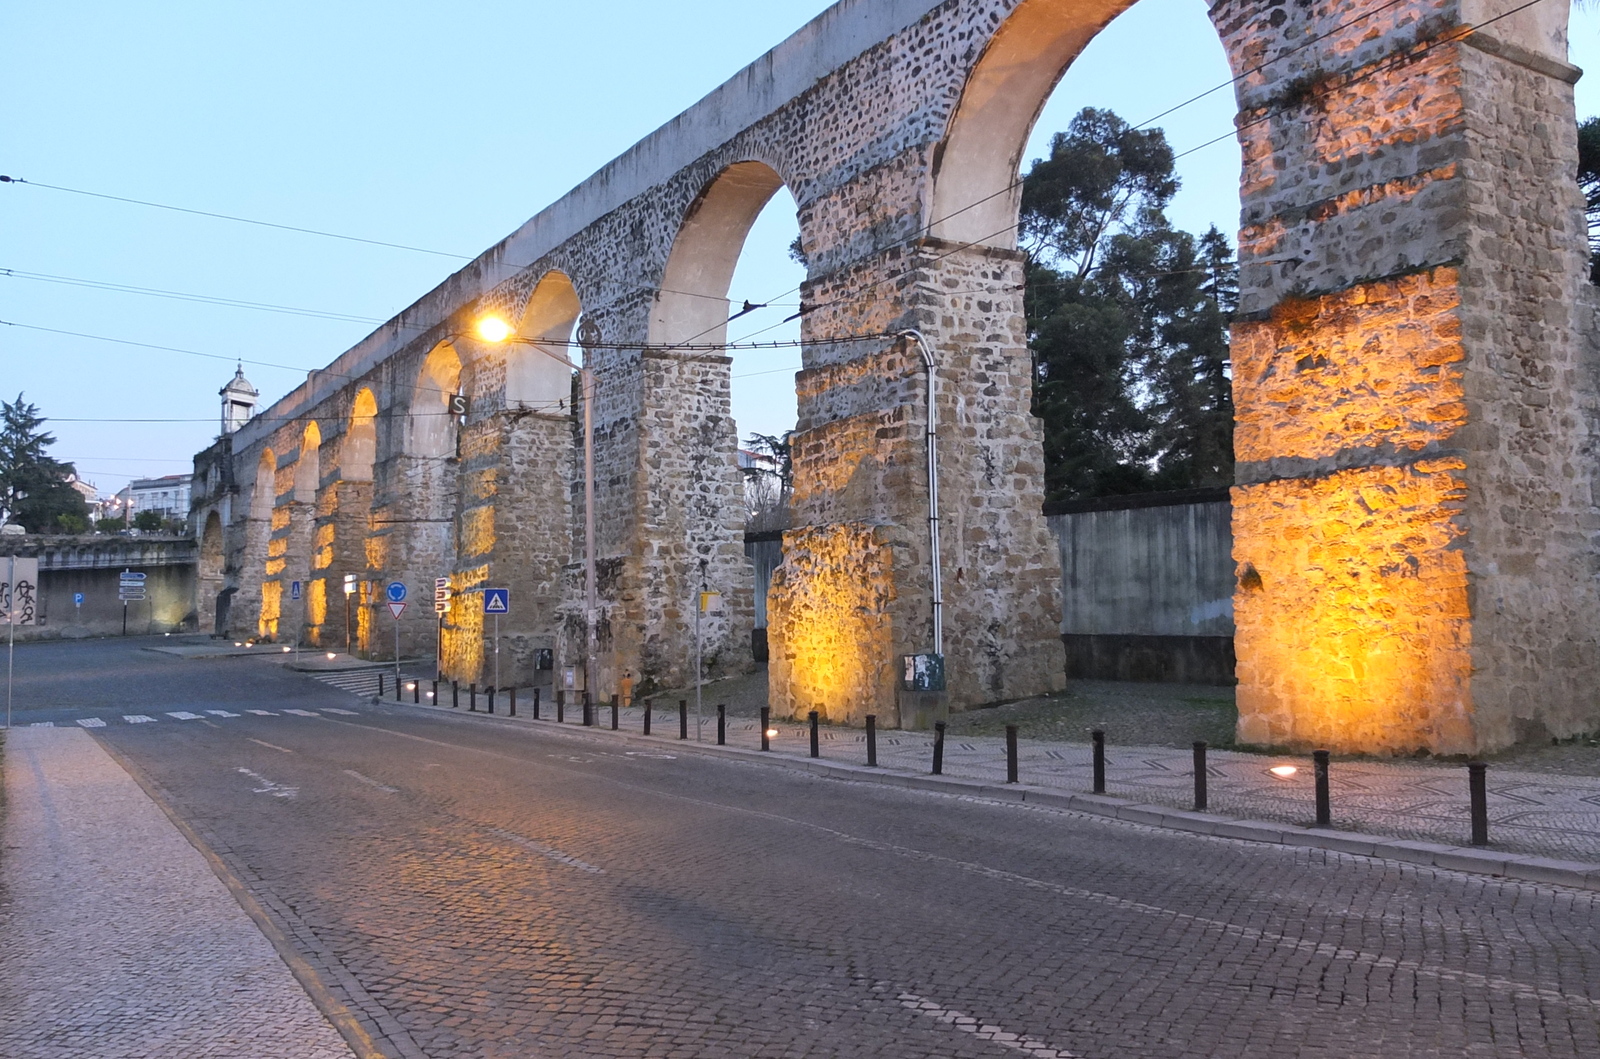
(1518, 867)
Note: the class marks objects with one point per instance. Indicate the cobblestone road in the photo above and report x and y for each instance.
(470, 887)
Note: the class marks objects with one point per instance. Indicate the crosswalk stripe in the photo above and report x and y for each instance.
(221, 713)
(42, 724)
(262, 713)
(91, 722)
(301, 713)
(138, 718)
(341, 713)
(183, 715)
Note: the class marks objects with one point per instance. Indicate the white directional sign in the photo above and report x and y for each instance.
(441, 596)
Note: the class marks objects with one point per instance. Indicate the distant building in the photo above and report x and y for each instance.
(169, 496)
(90, 494)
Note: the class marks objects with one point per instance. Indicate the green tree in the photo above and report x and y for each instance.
(35, 489)
(111, 525)
(149, 521)
(1589, 181)
(1127, 318)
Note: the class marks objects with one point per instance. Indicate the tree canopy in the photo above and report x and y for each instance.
(35, 489)
(1127, 317)
(1589, 181)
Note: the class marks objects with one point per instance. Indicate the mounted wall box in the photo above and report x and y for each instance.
(924, 672)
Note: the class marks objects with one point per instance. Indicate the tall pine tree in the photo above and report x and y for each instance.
(35, 489)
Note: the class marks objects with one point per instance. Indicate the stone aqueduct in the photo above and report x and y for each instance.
(1415, 378)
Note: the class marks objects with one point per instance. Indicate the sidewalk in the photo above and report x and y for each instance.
(1540, 814)
(116, 938)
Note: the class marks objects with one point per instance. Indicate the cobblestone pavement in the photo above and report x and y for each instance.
(475, 887)
(116, 939)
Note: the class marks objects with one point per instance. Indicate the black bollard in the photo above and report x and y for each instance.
(1200, 776)
(812, 717)
(398, 689)
(434, 698)
(513, 702)
(647, 705)
(722, 724)
(1099, 738)
(536, 704)
(588, 709)
(683, 718)
(872, 740)
(561, 707)
(472, 697)
(938, 748)
(1324, 807)
(1478, 784)
(380, 685)
(766, 719)
(1011, 753)
(492, 690)
(615, 714)
(416, 693)
(455, 695)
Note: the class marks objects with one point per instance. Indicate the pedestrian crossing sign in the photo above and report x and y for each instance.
(497, 601)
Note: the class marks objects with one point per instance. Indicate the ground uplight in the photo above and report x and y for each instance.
(331, 656)
(1283, 772)
(772, 733)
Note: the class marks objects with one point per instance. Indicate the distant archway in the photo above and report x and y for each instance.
(265, 494)
(308, 468)
(534, 378)
(211, 553)
(360, 449)
(432, 433)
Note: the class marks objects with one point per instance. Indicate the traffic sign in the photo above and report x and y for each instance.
(497, 601)
(441, 596)
(349, 584)
(396, 591)
(77, 599)
(130, 595)
(130, 575)
(397, 609)
(294, 590)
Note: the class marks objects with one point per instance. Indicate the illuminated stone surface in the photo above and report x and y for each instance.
(1415, 370)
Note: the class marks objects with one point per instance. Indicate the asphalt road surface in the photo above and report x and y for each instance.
(469, 886)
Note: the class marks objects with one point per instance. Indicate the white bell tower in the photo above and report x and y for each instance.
(238, 402)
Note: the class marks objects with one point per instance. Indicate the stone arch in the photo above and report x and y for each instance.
(308, 467)
(976, 194)
(265, 493)
(432, 430)
(360, 449)
(535, 380)
(692, 304)
(211, 551)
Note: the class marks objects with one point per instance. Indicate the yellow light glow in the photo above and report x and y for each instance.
(493, 329)
(1283, 772)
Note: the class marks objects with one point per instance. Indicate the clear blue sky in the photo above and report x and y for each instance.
(437, 126)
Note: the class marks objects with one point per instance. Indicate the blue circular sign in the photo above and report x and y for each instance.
(397, 592)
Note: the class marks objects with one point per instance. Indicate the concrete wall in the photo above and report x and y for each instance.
(93, 565)
(1147, 587)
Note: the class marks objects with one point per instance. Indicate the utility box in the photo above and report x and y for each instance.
(572, 678)
(924, 672)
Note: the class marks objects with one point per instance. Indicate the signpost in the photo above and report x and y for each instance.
(19, 599)
(397, 606)
(497, 601)
(441, 606)
(349, 590)
(130, 589)
(708, 602)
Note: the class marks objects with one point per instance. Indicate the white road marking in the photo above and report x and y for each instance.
(658, 757)
(369, 781)
(341, 713)
(221, 713)
(270, 746)
(301, 713)
(982, 1030)
(42, 724)
(277, 790)
(91, 722)
(138, 718)
(547, 851)
(262, 713)
(184, 715)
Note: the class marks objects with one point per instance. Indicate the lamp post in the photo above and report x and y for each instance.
(495, 330)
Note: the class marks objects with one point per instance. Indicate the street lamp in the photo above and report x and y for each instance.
(495, 330)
